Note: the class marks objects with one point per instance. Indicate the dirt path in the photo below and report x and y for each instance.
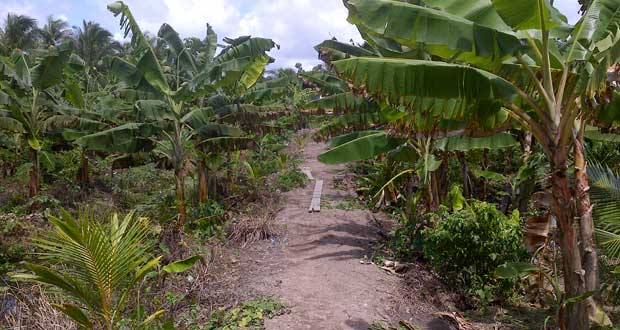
(323, 281)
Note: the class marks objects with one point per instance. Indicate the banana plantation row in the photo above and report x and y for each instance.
(487, 129)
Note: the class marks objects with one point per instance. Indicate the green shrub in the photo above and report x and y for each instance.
(291, 179)
(207, 220)
(465, 247)
(249, 315)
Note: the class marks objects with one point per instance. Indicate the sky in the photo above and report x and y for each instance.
(296, 25)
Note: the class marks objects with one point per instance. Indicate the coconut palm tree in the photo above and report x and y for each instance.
(54, 31)
(18, 32)
(93, 42)
(98, 267)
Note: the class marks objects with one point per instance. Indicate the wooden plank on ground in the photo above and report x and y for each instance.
(308, 172)
(315, 204)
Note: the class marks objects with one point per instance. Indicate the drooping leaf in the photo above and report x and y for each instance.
(180, 54)
(210, 44)
(147, 63)
(601, 18)
(251, 47)
(342, 139)
(73, 94)
(490, 175)
(526, 14)
(75, 313)
(328, 83)
(48, 72)
(153, 111)
(129, 73)
(347, 102)
(361, 148)
(391, 181)
(597, 135)
(337, 50)
(126, 138)
(441, 32)
(465, 143)
(515, 270)
(578, 298)
(213, 130)
(153, 317)
(395, 78)
(182, 265)
(478, 11)
(254, 71)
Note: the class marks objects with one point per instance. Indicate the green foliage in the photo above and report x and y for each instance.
(605, 191)
(207, 220)
(96, 265)
(356, 146)
(13, 245)
(465, 247)
(349, 204)
(291, 179)
(181, 265)
(605, 194)
(249, 315)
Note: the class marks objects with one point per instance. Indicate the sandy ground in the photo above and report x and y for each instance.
(324, 282)
(317, 271)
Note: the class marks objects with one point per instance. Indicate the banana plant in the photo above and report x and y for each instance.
(420, 127)
(26, 102)
(175, 94)
(519, 58)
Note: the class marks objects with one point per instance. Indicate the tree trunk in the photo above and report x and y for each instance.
(83, 175)
(584, 211)
(181, 206)
(436, 190)
(526, 144)
(203, 186)
(588, 245)
(34, 184)
(465, 173)
(575, 315)
(485, 166)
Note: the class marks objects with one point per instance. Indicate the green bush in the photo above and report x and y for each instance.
(465, 247)
(291, 179)
(249, 315)
(207, 220)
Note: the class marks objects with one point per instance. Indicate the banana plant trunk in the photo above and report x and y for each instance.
(575, 315)
(465, 173)
(203, 182)
(180, 196)
(588, 245)
(34, 183)
(584, 210)
(83, 175)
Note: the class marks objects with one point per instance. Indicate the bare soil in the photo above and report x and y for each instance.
(316, 266)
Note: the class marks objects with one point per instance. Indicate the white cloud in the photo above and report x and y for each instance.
(570, 8)
(189, 17)
(297, 25)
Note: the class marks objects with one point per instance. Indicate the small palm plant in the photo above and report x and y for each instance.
(605, 194)
(97, 266)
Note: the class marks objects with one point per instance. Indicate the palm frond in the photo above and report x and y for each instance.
(98, 261)
(605, 195)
